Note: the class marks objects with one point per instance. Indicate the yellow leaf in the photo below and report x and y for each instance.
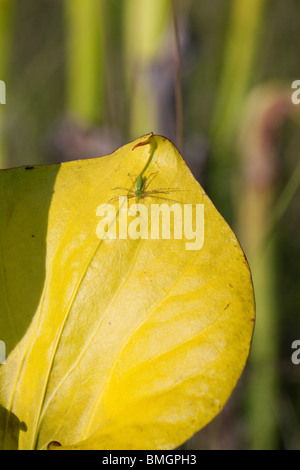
(116, 343)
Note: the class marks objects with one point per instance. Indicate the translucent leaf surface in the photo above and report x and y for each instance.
(114, 343)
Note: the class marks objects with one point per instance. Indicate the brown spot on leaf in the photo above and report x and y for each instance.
(53, 444)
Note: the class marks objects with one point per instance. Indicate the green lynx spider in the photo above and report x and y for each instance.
(142, 182)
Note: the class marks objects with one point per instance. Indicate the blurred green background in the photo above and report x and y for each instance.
(86, 76)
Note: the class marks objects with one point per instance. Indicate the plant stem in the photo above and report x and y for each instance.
(84, 74)
(6, 17)
(263, 379)
(178, 81)
(145, 22)
(245, 23)
(266, 109)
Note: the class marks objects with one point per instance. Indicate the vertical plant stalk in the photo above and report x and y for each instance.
(85, 64)
(263, 379)
(178, 81)
(266, 109)
(145, 22)
(284, 201)
(6, 17)
(116, 119)
(242, 40)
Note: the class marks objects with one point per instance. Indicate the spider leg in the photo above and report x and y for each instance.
(163, 191)
(149, 179)
(121, 187)
(113, 199)
(129, 195)
(148, 194)
(131, 179)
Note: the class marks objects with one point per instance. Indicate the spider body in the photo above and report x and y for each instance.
(140, 186)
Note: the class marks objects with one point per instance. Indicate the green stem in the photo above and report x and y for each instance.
(178, 82)
(145, 22)
(283, 202)
(6, 8)
(84, 73)
(245, 23)
(263, 378)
